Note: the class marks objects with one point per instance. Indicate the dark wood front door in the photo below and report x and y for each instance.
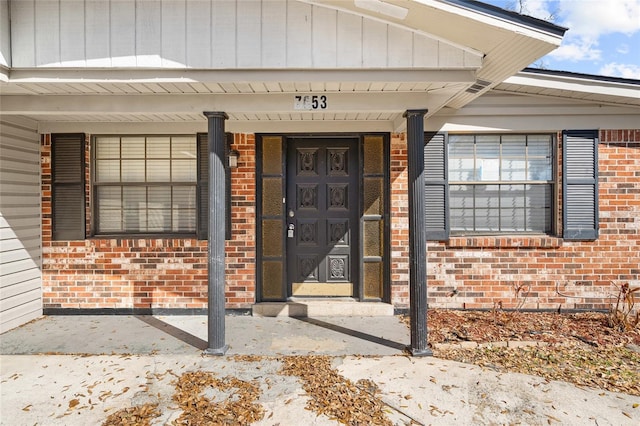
(322, 217)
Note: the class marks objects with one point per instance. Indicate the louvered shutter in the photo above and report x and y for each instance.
(203, 187)
(67, 186)
(580, 184)
(436, 187)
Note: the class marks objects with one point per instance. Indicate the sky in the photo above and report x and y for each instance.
(603, 36)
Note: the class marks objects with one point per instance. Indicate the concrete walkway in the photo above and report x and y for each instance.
(76, 370)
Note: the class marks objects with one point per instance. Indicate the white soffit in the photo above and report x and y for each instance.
(581, 87)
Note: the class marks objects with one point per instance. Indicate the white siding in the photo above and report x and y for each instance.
(215, 34)
(20, 224)
(5, 41)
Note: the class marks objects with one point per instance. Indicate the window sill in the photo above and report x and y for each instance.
(505, 241)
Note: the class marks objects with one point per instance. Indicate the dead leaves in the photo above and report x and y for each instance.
(447, 326)
(333, 395)
(133, 416)
(204, 399)
(237, 406)
(612, 368)
(580, 348)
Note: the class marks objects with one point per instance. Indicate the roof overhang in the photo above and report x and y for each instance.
(588, 88)
(255, 99)
(542, 100)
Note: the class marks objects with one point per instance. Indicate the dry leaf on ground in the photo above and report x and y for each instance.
(333, 395)
(141, 415)
(582, 348)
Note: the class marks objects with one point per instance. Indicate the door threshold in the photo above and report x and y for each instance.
(305, 307)
(305, 299)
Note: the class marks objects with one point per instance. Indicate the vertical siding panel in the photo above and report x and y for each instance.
(173, 38)
(20, 224)
(123, 33)
(248, 33)
(349, 41)
(72, 30)
(97, 29)
(471, 60)
(199, 33)
(223, 37)
(148, 33)
(5, 34)
(374, 49)
(298, 34)
(425, 51)
(47, 32)
(450, 56)
(274, 35)
(401, 51)
(324, 37)
(23, 42)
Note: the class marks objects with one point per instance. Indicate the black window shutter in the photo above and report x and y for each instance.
(436, 189)
(203, 187)
(67, 186)
(580, 184)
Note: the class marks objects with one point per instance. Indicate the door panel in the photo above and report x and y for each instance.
(322, 217)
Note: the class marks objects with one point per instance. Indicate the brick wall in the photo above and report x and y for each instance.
(399, 222)
(149, 272)
(547, 272)
(532, 272)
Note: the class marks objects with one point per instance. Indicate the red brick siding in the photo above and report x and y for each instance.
(149, 272)
(399, 222)
(547, 272)
(542, 272)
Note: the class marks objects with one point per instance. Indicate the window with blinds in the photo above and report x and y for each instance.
(501, 183)
(145, 184)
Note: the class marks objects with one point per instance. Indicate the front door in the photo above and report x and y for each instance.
(322, 217)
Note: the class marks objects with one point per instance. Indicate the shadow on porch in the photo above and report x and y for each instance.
(245, 335)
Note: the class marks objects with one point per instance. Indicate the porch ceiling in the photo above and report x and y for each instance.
(254, 100)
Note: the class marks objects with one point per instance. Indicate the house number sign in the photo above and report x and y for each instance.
(310, 102)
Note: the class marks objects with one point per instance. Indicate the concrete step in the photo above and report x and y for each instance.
(321, 308)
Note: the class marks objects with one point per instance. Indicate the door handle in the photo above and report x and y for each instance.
(290, 230)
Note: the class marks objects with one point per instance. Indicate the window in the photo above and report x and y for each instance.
(145, 184)
(500, 183)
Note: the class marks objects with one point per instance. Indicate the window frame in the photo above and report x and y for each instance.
(553, 184)
(95, 185)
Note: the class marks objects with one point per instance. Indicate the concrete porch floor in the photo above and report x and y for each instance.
(245, 335)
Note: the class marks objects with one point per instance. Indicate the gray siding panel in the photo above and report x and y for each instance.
(216, 34)
(5, 40)
(20, 224)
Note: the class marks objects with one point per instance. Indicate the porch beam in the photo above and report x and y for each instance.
(132, 76)
(241, 103)
(417, 237)
(216, 257)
